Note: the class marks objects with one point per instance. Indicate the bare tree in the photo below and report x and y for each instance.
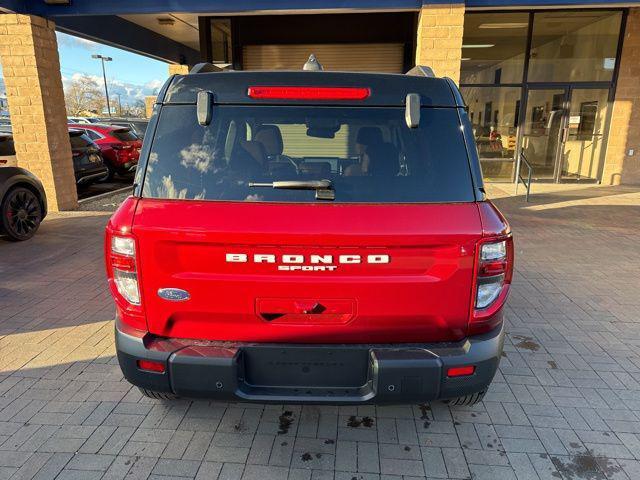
(136, 109)
(83, 95)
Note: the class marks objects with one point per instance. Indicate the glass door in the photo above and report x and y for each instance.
(543, 130)
(584, 134)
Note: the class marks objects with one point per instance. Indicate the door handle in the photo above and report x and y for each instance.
(565, 134)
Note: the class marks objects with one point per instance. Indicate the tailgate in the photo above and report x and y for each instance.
(307, 273)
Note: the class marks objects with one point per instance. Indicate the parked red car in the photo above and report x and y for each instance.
(120, 146)
(310, 237)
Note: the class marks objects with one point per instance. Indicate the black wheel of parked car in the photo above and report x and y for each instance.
(21, 213)
(157, 395)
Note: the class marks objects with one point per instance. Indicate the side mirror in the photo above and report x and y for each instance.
(412, 110)
(204, 107)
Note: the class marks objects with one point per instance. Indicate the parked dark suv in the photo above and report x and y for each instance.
(88, 164)
(309, 237)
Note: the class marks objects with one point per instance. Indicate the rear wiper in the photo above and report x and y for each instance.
(324, 188)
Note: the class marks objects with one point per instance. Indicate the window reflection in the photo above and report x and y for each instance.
(574, 46)
(493, 47)
(494, 113)
(221, 45)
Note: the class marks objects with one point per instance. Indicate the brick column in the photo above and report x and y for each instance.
(439, 42)
(29, 56)
(177, 69)
(624, 133)
(149, 102)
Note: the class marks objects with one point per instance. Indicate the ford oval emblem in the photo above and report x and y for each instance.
(173, 294)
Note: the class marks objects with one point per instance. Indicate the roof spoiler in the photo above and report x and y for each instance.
(421, 71)
(205, 67)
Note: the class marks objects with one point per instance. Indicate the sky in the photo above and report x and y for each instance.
(129, 75)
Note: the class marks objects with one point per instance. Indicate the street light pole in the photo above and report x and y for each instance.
(104, 76)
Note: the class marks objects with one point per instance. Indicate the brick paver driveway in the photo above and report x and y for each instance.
(565, 405)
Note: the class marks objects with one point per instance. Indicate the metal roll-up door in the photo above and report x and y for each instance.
(354, 57)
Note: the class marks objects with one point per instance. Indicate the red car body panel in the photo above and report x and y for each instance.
(114, 150)
(423, 294)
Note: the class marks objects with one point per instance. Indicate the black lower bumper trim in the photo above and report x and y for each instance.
(336, 374)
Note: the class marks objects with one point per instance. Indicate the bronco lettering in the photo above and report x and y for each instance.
(313, 259)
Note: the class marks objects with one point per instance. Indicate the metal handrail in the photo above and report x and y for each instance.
(527, 182)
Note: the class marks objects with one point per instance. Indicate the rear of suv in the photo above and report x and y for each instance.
(120, 146)
(88, 164)
(309, 237)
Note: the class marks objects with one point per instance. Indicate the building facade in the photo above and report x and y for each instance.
(549, 86)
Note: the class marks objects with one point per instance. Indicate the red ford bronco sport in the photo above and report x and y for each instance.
(310, 237)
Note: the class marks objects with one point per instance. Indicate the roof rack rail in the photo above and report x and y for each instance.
(421, 71)
(205, 67)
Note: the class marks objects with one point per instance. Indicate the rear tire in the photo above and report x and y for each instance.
(21, 213)
(467, 399)
(157, 395)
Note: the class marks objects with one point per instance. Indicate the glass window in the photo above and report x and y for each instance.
(79, 140)
(124, 135)
(493, 47)
(494, 112)
(93, 135)
(221, 40)
(6, 145)
(368, 153)
(574, 46)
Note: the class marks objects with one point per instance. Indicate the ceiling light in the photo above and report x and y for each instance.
(504, 25)
(166, 21)
(464, 59)
(479, 45)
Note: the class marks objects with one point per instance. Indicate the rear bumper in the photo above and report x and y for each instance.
(91, 175)
(129, 166)
(333, 374)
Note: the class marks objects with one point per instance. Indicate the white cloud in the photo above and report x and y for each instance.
(77, 42)
(153, 84)
(197, 156)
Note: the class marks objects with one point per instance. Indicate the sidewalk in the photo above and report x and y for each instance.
(564, 405)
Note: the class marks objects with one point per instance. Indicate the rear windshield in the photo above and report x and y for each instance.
(368, 153)
(124, 135)
(80, 140)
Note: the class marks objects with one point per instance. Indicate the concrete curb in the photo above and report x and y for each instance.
(105, 194)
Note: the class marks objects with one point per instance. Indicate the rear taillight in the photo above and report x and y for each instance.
(122, 262)
(494, 269)
(151, 366)
(461, 371)
(491, 271)
(123, 266)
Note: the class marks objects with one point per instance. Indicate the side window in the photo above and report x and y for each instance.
(93, 135)
(230, 140)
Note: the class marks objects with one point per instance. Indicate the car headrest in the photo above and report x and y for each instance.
(384, 160)
(255, 149)
(369, 136)
(271, 138)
